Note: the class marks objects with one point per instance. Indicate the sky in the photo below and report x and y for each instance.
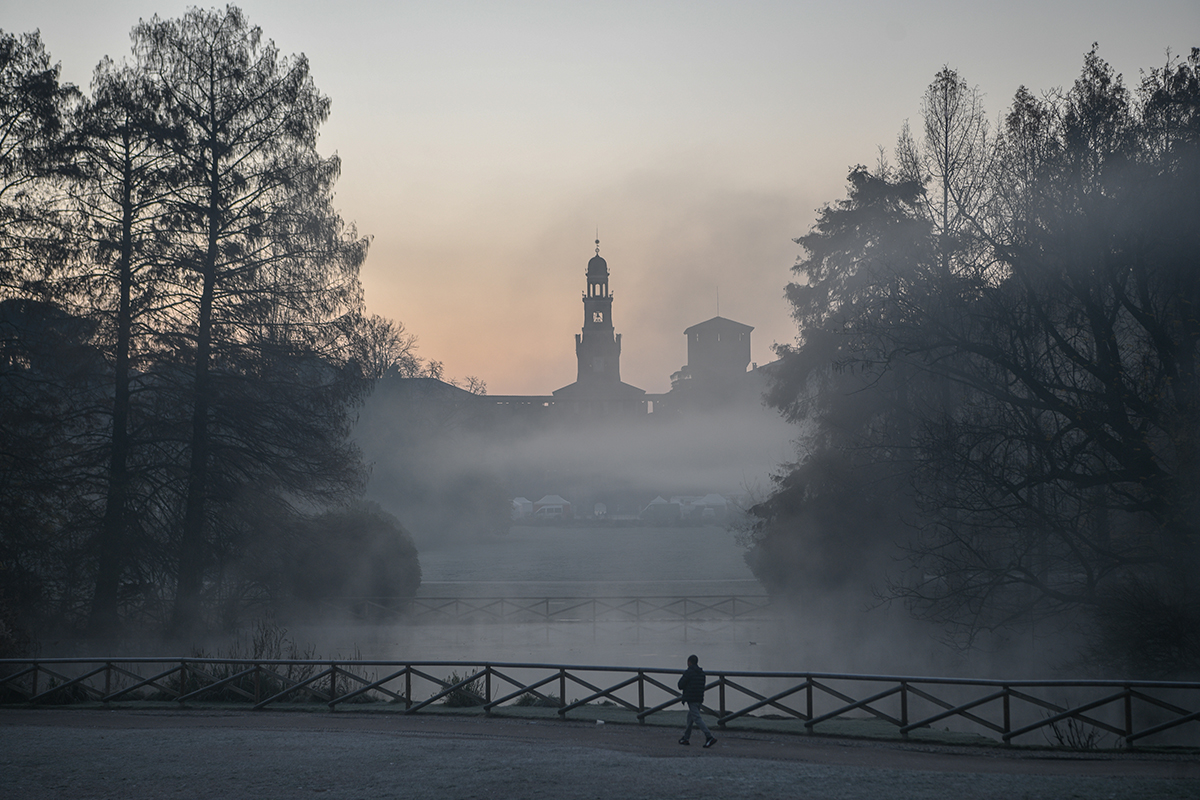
(484, 145)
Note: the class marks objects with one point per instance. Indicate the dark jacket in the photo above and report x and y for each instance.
(692, 683)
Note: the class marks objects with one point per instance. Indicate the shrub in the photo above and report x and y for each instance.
(531, 700)
(468, 695)
(361, 551)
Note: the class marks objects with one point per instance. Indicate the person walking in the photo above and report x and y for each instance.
(691, 686)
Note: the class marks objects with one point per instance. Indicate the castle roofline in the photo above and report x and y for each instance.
(618, 389)
(721, 323)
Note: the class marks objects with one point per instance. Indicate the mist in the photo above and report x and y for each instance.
(450, 479)
(918, 482)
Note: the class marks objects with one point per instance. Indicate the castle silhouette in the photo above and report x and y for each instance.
(443, 453)
(716, 374)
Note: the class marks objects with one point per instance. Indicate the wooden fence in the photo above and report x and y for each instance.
(1077, 712)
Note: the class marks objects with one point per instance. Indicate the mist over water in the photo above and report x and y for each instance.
(838, 633)
(579, 562)
(433, 470)
(687, 558)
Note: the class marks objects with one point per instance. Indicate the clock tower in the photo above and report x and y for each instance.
(598, 392)
(598, 348)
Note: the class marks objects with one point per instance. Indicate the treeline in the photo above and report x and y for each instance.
(996, 371)
(183, 342)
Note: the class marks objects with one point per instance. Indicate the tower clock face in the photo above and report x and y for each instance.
(597, 316)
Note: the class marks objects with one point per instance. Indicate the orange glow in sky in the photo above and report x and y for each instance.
(483, 144)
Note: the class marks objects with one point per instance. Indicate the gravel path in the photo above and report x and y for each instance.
(125, 754)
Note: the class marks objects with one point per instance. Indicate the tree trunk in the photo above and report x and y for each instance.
(185, 618)
(104, 619)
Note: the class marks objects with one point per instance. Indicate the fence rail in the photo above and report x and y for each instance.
(559, 609)
(1076, 712)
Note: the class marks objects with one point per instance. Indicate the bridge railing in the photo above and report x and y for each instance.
(1066, 712)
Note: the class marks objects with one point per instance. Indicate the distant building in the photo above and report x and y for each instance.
(718, 349)
(716, 373)
(715, 376)
(577, 438)
(521, 508)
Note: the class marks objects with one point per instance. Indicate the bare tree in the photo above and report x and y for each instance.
(1044, 346)
(1071, 470)
(953, 160)
(119, 191)
(385, 348)
(271, 273)
(33, 111)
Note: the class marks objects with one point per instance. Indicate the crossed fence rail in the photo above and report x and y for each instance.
(560, 609)
(1131, 711)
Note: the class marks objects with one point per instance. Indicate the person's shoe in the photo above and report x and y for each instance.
(684, 741)
(710, 741)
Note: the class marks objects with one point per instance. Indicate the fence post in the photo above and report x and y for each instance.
(333, 671)
(487, 686)
(1128, 714)
(257, 683)
(183, 679)
(562, 688)
(641, 695)
(107, 680)
(904, 705)
(721, 687)
(408, 687)
(33, 690)
(809, 696)
(1007, 716)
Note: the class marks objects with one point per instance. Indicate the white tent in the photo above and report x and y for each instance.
(551, 506)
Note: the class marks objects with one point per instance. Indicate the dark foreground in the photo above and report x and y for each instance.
(130, 754)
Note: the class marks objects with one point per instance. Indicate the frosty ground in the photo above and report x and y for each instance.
(83, 754)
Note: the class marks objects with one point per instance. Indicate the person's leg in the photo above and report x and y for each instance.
(694, 712)
(692, 719)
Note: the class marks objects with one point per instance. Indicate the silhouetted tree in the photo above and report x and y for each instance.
(953, 161)
(839, 507)
(46, 367)
(182, 336)
(1076, 458)
(384, 348)
(50, 378)
(1047, 357)
(33, 106)
(271, 275)
(119, 188)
